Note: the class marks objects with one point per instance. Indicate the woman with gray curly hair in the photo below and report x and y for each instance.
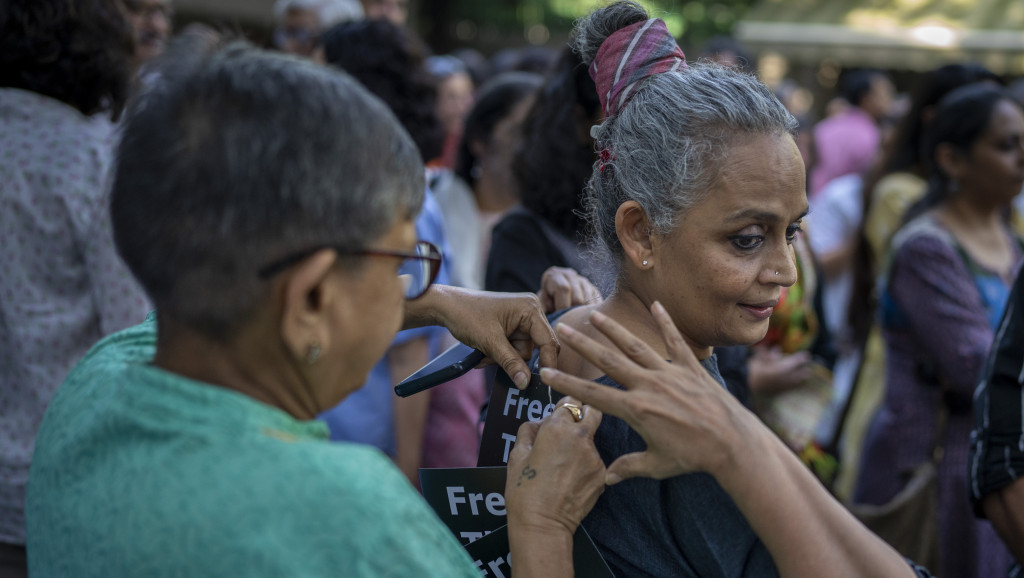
(696, 199)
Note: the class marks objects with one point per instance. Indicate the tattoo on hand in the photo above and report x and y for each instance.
(528, 473)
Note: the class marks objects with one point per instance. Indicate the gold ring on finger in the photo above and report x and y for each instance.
(575, 410)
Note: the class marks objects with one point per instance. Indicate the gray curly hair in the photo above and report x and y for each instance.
(666, 146)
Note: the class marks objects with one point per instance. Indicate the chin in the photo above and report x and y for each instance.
(747, 336)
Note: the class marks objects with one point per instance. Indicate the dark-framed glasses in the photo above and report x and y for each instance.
(418, 270)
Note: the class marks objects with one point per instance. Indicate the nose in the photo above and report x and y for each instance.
(780, 268)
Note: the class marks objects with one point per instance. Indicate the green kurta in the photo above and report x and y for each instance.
(141, 472)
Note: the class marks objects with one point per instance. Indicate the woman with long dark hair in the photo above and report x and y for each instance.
(944, 288)
(552, 165)
(887, 191)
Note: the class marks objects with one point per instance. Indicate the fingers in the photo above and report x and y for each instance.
(556, 289)
(563, 295)
(625, 368)
(598, 397)
(591, 418)
(625, 341)
(590, 415)
(529, 325)
(522, 344)
(585, 292)
(543, 337)
(526, 435)
(626, 466)
(563, 287)
(678, 350)
(546, 302)
(511, 362)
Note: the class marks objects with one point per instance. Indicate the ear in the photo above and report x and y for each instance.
(634, 232)
(305, 316)
(950, 160)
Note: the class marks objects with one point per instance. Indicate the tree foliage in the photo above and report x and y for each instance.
(494, 23)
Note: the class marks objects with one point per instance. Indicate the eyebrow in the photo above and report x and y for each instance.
(759, 215)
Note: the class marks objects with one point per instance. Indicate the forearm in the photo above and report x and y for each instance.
(807, 532)
(1005, 509)
(429, 309)
(539, 553)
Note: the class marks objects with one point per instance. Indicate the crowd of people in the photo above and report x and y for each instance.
(220, 258)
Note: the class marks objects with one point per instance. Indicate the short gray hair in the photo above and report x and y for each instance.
(666, 146)
(329, 12)
(239, 158)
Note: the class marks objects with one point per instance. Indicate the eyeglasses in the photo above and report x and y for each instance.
(418, 270)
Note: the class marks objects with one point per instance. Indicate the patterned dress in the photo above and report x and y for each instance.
(62, 284)
(939, 309)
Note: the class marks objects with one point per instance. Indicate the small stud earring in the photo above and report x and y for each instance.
(313, 352)
(776, 272)
(644, 263)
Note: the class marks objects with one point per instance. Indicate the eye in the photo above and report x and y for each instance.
(747, 242)
(792, 231)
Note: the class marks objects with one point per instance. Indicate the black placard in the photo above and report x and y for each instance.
(473, 495)
(470, 501)
(508, 409)
(491, 555)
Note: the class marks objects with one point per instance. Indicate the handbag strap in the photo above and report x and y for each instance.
(941, 420)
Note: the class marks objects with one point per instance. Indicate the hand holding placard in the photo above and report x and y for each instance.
(546, 460)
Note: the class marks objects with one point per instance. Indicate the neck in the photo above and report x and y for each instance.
(972, 212)
(632, 310)
(245, 363)
(494, 195)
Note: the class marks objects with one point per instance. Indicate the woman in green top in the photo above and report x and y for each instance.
(267, 207)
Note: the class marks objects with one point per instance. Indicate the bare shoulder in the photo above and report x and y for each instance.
(577, 317)
(569, 360)
(632, 314)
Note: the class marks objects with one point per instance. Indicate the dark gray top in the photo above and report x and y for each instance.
(686, 526)
(683, 526)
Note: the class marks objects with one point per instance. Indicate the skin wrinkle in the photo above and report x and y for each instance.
(656, 120)
(709, 286)
(707, 313)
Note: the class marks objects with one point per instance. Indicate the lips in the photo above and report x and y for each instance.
(760, 311)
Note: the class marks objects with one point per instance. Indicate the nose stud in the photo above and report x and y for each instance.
(776, 272)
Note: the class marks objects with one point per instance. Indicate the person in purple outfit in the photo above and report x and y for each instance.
(949, 275)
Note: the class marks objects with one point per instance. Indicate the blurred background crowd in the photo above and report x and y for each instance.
(501, 111)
